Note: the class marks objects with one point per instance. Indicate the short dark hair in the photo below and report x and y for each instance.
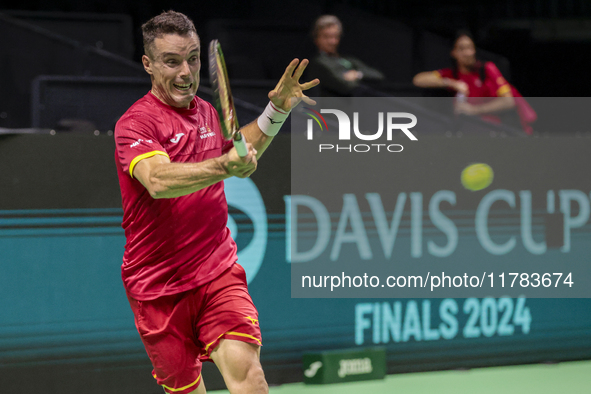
(168, 22)
(323, 22)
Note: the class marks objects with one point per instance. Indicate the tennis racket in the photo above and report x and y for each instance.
(222, 98)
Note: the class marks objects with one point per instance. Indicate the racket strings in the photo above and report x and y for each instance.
(225, 99)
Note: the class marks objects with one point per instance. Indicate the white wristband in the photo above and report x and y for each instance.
(272, 119)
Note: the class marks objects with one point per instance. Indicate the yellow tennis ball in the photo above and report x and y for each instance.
(477, 176)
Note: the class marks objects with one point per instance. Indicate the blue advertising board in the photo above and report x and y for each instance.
(64, 307)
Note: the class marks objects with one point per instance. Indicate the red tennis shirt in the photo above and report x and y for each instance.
(494, 84)
(173, 244)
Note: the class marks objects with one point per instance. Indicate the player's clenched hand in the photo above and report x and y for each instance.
(289, 91)
(242, 167)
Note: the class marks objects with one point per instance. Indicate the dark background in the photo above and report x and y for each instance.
(74, 66)
(539, 45)
(546, 41)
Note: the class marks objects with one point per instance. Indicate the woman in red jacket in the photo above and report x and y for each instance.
(479, 86)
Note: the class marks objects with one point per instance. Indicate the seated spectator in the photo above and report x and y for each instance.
(339, 75)
(480, 87)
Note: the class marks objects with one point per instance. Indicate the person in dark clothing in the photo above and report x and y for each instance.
(340, 75)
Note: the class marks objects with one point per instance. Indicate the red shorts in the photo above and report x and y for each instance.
(181, 330)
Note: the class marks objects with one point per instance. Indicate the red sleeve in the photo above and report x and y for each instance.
(498, 84)
(444, 73)
(136, 139)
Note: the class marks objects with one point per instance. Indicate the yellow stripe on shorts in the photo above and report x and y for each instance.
(240, 334)
(182, 388)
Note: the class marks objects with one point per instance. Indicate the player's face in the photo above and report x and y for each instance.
(464, 52)
(174, 66)
(328, 39)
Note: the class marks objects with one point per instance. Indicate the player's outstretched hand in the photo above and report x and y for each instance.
(289, 91)
(242, 167)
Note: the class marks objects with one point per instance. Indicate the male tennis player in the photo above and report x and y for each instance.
(188, 295)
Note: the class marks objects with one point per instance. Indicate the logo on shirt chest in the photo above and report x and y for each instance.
(205, 132)
(176, 138)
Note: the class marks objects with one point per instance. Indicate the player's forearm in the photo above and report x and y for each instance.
(179, 179)
(256, 137)
(260, 133)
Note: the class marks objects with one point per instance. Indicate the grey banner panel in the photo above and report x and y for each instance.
(388, 203)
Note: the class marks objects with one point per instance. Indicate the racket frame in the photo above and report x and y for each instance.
(218, 75)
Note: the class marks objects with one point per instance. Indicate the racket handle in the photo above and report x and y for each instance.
(240, 144)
